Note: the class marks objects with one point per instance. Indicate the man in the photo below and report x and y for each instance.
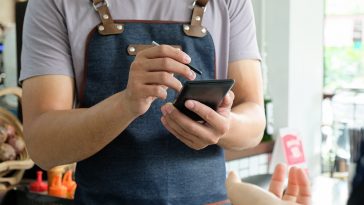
(97, 92)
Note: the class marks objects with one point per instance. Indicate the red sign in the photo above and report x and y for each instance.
(293, 149)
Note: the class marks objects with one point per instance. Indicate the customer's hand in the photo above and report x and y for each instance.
(194, 134)
(298, 191)
(151, 73)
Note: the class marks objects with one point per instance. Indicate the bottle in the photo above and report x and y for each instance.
(57, 189)
(39, 186)
(70, 184)
(269, 128)
(55, 171)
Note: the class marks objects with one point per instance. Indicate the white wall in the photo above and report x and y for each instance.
(293, 41)
(306, 74)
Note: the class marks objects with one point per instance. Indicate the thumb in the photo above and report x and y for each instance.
(232, 178)
(228, 99)
(226, 104)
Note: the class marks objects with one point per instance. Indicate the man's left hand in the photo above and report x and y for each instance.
(197, 135)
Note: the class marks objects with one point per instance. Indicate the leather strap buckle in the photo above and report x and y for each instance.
(196, 3)
(107, 26)
(195, 28)
(100, 4)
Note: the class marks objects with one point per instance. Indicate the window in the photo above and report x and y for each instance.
(344, 50)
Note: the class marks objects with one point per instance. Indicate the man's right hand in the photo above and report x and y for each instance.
(151, 74)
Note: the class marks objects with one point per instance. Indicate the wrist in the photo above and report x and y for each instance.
(124, 106)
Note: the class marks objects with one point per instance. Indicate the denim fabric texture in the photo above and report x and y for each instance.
(146, 164)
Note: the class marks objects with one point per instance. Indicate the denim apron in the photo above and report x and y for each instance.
(146, 164)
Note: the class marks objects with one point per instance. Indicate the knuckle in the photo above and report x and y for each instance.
(178, 51)
(224, 128)
(180, 54)
(164, 77)
(164, 49)
(165, 62)
(207, 113)
(190, 128)
(213, 140)
(156, 90)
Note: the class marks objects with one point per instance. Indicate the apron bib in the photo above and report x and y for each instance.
(146, 164)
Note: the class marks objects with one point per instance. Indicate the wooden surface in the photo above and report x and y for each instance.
(262, 148)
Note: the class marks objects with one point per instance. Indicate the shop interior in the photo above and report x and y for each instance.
(313, 71)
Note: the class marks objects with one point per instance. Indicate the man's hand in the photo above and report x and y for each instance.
(194, 134)
(298, 191)
(151, 74)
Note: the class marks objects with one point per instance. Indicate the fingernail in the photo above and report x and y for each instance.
(169, 108)
(189, 104)
(187, 58)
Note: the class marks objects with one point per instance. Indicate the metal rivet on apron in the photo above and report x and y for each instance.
(198, 18)
(101, 28)
(186, 28)
(132, 49)
(105, 16)
(203, 30)
(119, 27)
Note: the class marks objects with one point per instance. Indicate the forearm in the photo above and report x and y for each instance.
(67, 136)
(247, 125)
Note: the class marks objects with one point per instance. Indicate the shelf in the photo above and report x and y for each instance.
(262, 148)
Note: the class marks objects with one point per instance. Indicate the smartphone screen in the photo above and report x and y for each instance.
(208, 92)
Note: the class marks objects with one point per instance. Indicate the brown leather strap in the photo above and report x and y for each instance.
(202, 3)
(196, 29)
(107, 26)
(134, 49)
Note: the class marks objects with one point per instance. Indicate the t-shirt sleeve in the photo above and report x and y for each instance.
(46, 49)
(243, 40)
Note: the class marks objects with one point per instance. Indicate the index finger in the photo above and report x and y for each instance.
(164, 51)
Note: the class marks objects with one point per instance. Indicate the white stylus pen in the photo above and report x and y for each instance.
(192, 68)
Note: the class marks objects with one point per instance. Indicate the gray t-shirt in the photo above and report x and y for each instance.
(55, 31)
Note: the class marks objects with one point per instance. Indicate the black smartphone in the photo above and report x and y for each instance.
(208, 92)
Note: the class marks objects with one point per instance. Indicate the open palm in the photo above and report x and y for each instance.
(298, 191)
